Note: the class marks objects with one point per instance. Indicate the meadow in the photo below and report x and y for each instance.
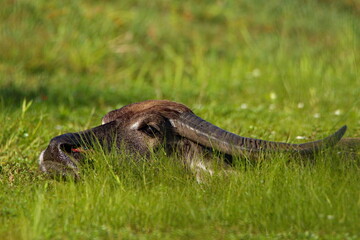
(276, 70)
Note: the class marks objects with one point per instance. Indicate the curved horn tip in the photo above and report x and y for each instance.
(337, 136)
(342, 130)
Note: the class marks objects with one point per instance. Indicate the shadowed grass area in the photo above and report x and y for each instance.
(277, 70)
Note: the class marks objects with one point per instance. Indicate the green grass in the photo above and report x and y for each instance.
(267, 69)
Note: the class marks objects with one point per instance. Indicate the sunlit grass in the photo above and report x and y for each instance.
(282, 71)
(161, 199)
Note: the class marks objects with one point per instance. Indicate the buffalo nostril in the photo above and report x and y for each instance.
(78, 150)
(69, 148)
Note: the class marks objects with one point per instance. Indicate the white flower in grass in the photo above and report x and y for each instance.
(317, 115)
(300, 105)
(311, 235)
(256, 73)
(26, 134)
(244, 106)
(337, 112)
(273, 96)
(300, 137)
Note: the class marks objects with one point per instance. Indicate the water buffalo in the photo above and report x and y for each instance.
(144, 127)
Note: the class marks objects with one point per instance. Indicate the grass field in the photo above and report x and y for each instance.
(277, 70)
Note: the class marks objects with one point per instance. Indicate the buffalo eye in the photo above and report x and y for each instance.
(151, 131)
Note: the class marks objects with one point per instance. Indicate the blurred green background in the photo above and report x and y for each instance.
(106, 53)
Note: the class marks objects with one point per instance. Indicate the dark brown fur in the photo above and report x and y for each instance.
(167, 109)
